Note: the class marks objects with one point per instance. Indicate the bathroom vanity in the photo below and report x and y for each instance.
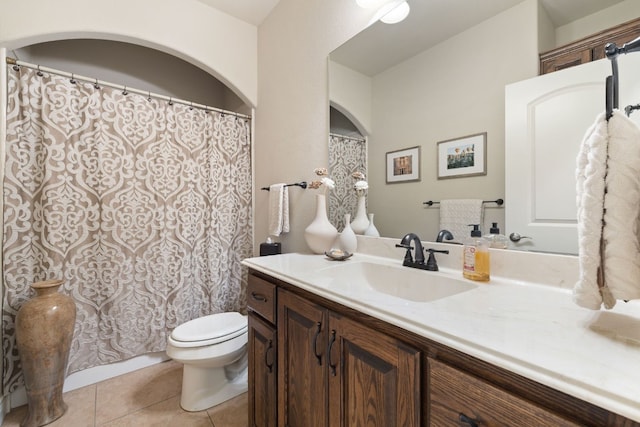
(343, 343)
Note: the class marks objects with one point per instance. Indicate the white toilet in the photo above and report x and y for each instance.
(214, 352)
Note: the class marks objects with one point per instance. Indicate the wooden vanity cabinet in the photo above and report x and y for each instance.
(337, 367)
(336, 372)
(302, 362)
(263, 346)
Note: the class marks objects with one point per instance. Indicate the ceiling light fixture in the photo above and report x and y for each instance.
(396, 12)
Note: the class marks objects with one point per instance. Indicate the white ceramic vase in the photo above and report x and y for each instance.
(320, 234)
(347, 240)
(371, 229)
(360, 220)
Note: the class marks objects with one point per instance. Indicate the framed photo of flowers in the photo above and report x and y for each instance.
(403, 165)
(462, 157)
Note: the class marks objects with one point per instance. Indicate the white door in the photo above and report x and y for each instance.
(546, 118)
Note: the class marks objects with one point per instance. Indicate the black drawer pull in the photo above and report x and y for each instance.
(266, 356)
(258, 297)
(331, 341)
(315, 343)
(470, 421)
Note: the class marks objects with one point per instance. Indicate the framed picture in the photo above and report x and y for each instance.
(463, 157)
(403, 165)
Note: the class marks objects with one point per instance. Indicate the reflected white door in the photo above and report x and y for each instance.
(546, 119)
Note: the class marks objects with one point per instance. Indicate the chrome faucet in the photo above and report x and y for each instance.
(444, 234)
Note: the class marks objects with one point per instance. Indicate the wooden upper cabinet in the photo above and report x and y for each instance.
(589, 48)
(374, 380)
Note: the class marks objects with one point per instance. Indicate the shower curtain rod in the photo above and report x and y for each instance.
(125, 89)
(355, 138)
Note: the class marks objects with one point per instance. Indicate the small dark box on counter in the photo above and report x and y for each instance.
(270, 248)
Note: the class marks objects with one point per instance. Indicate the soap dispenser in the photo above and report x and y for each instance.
(475, 258)
(495, 239)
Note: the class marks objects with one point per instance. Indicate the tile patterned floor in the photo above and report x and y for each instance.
(147, 397)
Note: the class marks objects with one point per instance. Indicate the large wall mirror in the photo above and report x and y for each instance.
(441, 75)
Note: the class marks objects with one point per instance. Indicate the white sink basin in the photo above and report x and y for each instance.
(398, 281)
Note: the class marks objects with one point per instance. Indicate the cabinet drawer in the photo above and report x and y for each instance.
(458, 398)
(261, 298)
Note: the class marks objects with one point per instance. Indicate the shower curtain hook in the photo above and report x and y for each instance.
(191, 106)
(39, 73)
(96, 85)
(149, 96)
(73, 79)
(124, 92)
(170, 101)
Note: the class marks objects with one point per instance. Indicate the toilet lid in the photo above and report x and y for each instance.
(214, 326)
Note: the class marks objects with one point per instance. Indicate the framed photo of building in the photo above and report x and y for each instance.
(403, 165)
(462, 157)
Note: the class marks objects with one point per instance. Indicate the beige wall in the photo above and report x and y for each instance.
(292, 118)
(607, 18)
(350, 92)
(452, 90)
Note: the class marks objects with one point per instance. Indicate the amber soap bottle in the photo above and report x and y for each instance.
(476, 262)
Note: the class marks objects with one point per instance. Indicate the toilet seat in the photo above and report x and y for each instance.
(208, 330)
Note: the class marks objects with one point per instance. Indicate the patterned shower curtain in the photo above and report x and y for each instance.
(346, 156)
(142, 207)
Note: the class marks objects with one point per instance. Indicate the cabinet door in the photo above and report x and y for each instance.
(262, 373)
(302, 385)
(374, 380)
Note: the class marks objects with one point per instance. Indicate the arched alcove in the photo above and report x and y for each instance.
(190, 30)
(136, 67)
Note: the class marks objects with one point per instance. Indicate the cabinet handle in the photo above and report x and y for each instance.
(315, 343)
(331, 341)
(266, 357)
(258, 297)
(470, 421)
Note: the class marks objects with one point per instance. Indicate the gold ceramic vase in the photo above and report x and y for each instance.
(44, 329)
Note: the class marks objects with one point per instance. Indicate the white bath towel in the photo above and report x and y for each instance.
(608, 198)
(457, 214)
(278, 209)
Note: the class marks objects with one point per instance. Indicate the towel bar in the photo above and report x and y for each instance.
(301, 184)
(499, 202)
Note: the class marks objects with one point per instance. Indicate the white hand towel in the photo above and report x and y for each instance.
(590, 188)
(278, 209)
(457, 214)
(608, 184)
(622, 209)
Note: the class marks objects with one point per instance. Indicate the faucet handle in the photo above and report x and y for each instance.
(407, 255)
(432, 265)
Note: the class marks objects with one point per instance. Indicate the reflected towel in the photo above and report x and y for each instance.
(608, 199)
(278, 209)
(457, 214)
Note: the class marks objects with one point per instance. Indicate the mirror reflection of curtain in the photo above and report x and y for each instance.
(142, 207)
(346, 156)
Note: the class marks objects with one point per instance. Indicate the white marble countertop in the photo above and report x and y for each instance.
(534, 330)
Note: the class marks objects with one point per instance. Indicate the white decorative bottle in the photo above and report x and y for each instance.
(371, 229)
(320, 234)
(347, 240)
(360, 221)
